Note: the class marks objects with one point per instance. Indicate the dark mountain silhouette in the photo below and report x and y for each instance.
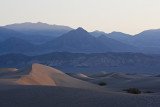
(16, 45)
(8, 33)
(146, 41)
(35, 39)
(119, 36)
(80, 40)
(97, 33)
(148, 38)
(65, 59)
(10, 59)
(116, 46)
(39, 28)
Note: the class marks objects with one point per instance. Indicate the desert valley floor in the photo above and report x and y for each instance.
(43, 86)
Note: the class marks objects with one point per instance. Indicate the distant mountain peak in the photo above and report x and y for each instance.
(40, 23)
(79, 32)
(115, 32)
(98, 31)
(119, 33)
(148, 32)
(39, 28)
(80, 29)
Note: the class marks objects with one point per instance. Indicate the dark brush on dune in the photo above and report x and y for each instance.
(102, 83)
(133, 91)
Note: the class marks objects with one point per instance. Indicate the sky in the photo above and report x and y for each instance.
(128, 16)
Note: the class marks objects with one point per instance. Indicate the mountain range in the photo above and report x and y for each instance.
(66, 59)
(39, 28)
(39, 38)
(80, 40)
(146, 41)
(36, 33)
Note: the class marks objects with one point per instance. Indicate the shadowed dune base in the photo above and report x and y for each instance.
(120, 81)
(42, 86)
(44, 96)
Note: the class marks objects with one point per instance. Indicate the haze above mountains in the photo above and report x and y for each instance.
(39, 38)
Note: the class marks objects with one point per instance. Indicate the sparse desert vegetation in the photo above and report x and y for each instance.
(102, 83)
(148, 92)
(132, 90)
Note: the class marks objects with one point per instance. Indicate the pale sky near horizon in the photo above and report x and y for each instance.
(128, 16)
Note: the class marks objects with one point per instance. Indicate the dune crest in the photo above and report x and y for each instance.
(38, 74)
(79, 76)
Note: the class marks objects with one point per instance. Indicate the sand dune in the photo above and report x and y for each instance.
(120, 81)
(37, 74)
(80, 76)
(119, 75)
(42, 86)
(99, 74)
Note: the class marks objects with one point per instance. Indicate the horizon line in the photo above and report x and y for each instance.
(80, 26)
